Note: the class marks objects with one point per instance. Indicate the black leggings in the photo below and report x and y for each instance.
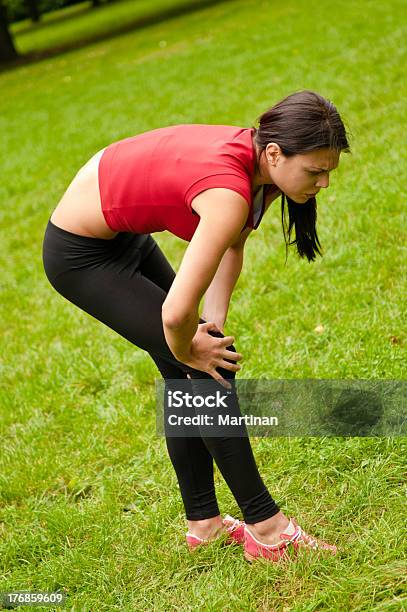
(123, 283)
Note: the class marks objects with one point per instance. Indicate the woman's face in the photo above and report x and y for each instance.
(301, 176)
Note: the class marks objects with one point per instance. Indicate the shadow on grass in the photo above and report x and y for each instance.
(59, 17)
(138, 23)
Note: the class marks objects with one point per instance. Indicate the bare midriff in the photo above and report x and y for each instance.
(80, 211)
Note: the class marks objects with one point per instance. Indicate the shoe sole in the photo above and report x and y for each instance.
(249, 558)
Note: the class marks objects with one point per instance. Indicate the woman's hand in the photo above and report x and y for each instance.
(208, 353)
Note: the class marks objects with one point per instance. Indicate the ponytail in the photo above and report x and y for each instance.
(303, 218)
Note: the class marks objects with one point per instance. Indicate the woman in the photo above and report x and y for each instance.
(209, 185)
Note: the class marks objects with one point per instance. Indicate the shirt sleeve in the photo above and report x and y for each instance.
(234, 182)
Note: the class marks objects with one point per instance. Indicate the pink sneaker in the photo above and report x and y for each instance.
(233, 527)
(253, 549)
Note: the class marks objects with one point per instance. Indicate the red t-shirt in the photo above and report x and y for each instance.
(147, 182)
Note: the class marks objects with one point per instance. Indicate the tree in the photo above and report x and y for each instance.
(7, 49)
(32, 9)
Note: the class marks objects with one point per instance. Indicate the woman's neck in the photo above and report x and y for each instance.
(260, 176)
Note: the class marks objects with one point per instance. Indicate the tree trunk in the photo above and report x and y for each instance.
(7, 49)
(32, 8)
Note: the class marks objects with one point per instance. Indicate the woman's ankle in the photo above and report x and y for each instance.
(206, 528)
(269, 530)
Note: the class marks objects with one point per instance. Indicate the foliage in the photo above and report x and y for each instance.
(17, 9)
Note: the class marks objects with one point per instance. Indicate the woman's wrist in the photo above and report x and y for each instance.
(184, 356)
(219, 321)
(179, 337)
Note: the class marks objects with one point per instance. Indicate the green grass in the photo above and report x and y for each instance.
(77, 401)
(67, 27)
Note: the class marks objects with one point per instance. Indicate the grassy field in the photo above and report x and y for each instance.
(77, 402)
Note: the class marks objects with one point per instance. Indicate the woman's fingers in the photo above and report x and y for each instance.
(227, 340)
(219, 378)
(233, 367)
(232, 355)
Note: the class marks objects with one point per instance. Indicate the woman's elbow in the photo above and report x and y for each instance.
(174, 318)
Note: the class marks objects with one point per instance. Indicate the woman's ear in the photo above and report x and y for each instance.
(273, 153)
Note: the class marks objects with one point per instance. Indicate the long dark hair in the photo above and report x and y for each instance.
(303, 121)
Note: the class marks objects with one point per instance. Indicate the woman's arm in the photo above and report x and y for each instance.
(223, 212)
(219, 292)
